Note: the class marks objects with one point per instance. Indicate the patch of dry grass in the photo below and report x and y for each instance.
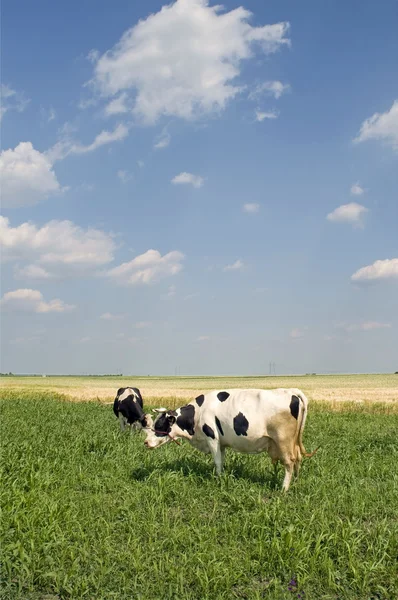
(173, 391)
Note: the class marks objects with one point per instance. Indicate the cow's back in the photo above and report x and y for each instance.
(241, 418)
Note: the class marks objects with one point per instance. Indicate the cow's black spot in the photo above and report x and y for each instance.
(200, 399)
(162, 425)
(186, 419)
(241, 424)
(219, 426)
(207, 430)
(295, 406)
(222, 396)
(116, 406)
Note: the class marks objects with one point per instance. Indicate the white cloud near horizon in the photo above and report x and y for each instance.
(352, 213)
(365, 326)
(183, 60)
(111, 317)
(381, 126)
(28, 300)
(147, 268)
(195, 180)
(380, 270)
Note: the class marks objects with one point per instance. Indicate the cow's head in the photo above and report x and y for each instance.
(171, 424)
(161, 430)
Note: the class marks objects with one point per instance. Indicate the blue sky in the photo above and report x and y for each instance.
(201, 189)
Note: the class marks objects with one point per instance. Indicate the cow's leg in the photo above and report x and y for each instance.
(122, 422)
(218, 455)
(288, 464)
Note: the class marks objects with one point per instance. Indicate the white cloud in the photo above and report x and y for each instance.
(147, 268)
(142, 324)
(196, 180)
(261, 116)
(183, 60)
(296, 333)
(356, 189)
(111, 317)
(381, 126)
(171, 292)
(124, 176)
(27, 176)
(203, 338)
(11, 100)
(163, 140)
(380, 270)
(269, 88)
(348, 213)
(57, 249)
(238, 265)
(27, 300)
(117, 106)
(365, 326)
(84, 340)
(251, 207)
(66, 146)
(93, 55)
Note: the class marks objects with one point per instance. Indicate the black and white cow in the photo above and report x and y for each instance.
(248, 421)
(128, 408)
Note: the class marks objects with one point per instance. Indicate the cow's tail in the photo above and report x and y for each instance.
(304, 408)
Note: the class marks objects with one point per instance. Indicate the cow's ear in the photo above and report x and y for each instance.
(159, 410)
(171, 419)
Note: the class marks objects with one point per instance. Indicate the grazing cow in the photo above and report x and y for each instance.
(128, 408)
(248, 421)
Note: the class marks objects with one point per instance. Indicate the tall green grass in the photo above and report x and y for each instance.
(88, 512)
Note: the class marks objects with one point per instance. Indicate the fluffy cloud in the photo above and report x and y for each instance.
(381, 126)
(196, 180)
(251, 208)
(27, 300)
(348, 213)
(380, 270)
(66, 146)
(147, 268)
(183, 60)
(356, 189)
(27, 176)
(261, 116)
(238, 265)
(269, 88)
(12, 100)
(58, 248)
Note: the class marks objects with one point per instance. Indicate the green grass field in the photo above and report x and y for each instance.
(88, 512)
